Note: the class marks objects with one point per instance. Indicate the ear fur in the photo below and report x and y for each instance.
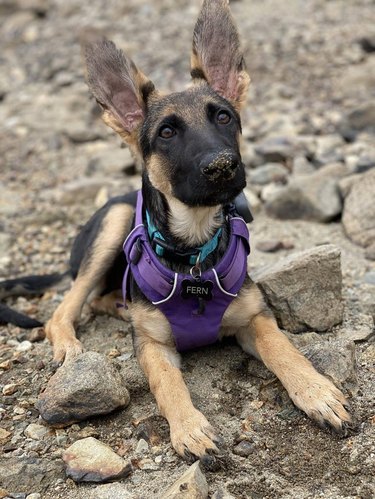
(216, 54)
(118, 85)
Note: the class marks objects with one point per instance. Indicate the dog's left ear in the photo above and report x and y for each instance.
(118, 85)
(216, 56)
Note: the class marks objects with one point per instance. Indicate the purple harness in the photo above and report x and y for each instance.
(194, 303)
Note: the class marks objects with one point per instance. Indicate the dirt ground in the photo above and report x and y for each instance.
(58, 162)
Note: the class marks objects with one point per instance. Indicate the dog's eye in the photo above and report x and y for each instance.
(223, 117)
(166, 132)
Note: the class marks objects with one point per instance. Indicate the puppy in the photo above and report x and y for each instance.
(182, 268)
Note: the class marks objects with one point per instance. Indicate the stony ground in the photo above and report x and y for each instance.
(313, 71)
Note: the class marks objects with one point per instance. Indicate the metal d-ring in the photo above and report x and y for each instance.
(195, 271)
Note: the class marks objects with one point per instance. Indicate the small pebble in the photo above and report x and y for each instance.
(142, 446)
(10, 389)
(24, 346)
(37, 334)
(36, 431)
(244, 448)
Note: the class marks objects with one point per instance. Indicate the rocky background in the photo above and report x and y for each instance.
(310, 156)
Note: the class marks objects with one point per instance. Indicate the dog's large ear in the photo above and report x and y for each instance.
(118, 86)
(216, 55)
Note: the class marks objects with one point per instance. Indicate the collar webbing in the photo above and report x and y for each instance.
(202, 251)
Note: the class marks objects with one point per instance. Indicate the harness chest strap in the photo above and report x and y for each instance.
(163, 287)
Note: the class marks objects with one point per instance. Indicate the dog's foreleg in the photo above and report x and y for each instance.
(192, 435)
(259, 335)
(309, 390)
(60, 329)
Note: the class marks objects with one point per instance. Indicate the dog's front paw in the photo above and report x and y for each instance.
(65, 345)
(194, 438)
(66, 351)
(323, 402)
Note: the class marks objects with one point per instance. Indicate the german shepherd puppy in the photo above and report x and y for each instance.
(189, 143)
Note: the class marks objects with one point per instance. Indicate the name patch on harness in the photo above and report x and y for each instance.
(196, 289)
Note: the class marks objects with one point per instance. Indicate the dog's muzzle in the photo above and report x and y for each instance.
(220, 167)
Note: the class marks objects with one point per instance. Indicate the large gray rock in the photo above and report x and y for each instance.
(89, 460)
(359, 210)
(191, 485)
(304, 289)
(88, 385)
(309, 197)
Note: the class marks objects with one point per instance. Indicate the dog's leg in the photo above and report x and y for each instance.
(259, 335)
(192, 435)
(108, 304)
(60, 329)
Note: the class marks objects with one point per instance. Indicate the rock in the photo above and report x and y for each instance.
(370, 252)
(5, 242)
(359, 210)
(244, 448)
(301, 166)
(361, 329)
(191, 485)
(370, 278)
(111, 159)
(142, 446)
(79, 191)
(272, 245)
(10, 389)
(36, 431)
(336, 360)
(24, 474)
(4, 434)
(270, 172)
(362, 117)
(10, 202)
(89, 460)
(79, 133)
(276, 149)
(88, 385)
(24, 346)
(222, 494)
(368, 43)
(253, 200)
(308, 197)
(304, 289)
(110, 491)
(270, 191)
(328, 149)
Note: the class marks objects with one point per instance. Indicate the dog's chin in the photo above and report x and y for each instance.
(209, 197)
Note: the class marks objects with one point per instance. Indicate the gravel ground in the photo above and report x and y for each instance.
(310, 67)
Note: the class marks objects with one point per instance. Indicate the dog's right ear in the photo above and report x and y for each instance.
(118, 86)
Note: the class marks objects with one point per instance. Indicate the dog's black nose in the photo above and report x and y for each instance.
(221, 166)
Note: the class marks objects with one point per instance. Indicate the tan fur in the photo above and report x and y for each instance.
(157, 173)
(60, 329)
(190, 431)
(193, 225)
(241, 311)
